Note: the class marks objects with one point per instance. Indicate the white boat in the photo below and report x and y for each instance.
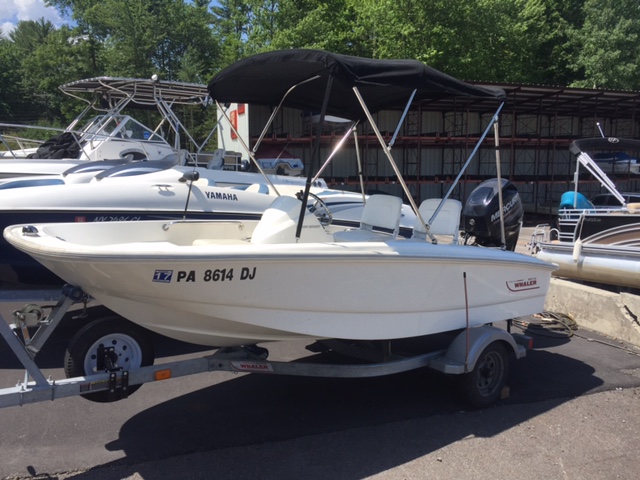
(286, 275)
(594, 244)
(111, 134)
(147, 191)
(97, 189)
(224, 283)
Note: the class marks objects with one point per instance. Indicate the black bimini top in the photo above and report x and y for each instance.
(142, 92)
(265, 78)
(604, 143)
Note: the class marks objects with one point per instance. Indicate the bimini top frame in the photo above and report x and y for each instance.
(345, 86)
(112, 94)
(141, 91)
(583, 150)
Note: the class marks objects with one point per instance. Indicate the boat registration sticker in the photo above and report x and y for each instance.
(163, 276)
(523, 284)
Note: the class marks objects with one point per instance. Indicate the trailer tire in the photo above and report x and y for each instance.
(133, 349)
(483, 385)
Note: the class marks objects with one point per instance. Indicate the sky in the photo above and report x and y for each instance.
(12, 11)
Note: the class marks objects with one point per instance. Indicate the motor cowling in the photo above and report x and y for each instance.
(481, 214)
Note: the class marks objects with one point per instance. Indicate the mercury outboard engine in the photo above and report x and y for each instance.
(481, 214)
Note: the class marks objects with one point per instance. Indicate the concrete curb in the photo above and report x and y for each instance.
(616, 315)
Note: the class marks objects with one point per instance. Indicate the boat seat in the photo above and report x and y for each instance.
(446, 223)
(380, 221)
(182, 157)
(279, 222)
(215, 164)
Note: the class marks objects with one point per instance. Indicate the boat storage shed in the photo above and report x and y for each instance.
(536, 126)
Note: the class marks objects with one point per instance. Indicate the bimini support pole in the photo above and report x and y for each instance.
(503, 237)
(247, 149)
(314, 154)
(359, 161)
(475, 149)
(352, 129)
(252, 152)
(276, 110)
(594, 169)
(387, 148)
(493, 121)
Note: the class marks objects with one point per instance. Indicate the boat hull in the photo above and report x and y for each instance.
(232, 292)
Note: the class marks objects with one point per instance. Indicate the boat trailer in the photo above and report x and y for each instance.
(478, 355)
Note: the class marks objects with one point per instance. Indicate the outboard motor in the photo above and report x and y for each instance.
(481, 214)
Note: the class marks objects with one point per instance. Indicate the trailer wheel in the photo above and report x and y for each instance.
(483, 385)
(132, 349)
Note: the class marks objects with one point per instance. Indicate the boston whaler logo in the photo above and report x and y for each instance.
(522, 285)
(248, 366)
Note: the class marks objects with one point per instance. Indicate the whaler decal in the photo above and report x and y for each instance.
(522, 285)
(222, 196)
(244, 366)
(162, 276)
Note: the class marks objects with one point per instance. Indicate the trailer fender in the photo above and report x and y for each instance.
(456, 361)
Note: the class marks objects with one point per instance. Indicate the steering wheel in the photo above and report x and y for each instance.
(317, 206)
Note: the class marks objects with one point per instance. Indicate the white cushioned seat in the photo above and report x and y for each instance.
(447, 222)
(380, 221)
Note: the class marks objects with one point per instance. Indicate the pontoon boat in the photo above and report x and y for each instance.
(599, 245)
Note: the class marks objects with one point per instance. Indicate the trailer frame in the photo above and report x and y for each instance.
(460, 357)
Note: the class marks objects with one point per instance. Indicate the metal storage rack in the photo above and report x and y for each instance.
(537, 125)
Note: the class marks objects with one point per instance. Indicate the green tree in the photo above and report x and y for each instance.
(608, 51)
(466, 39)
(231, 26)
(12, 103)
(37, 58)
(29, 34)
(62, 57)
(324, 24)
(143, 37)
(542, 46)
